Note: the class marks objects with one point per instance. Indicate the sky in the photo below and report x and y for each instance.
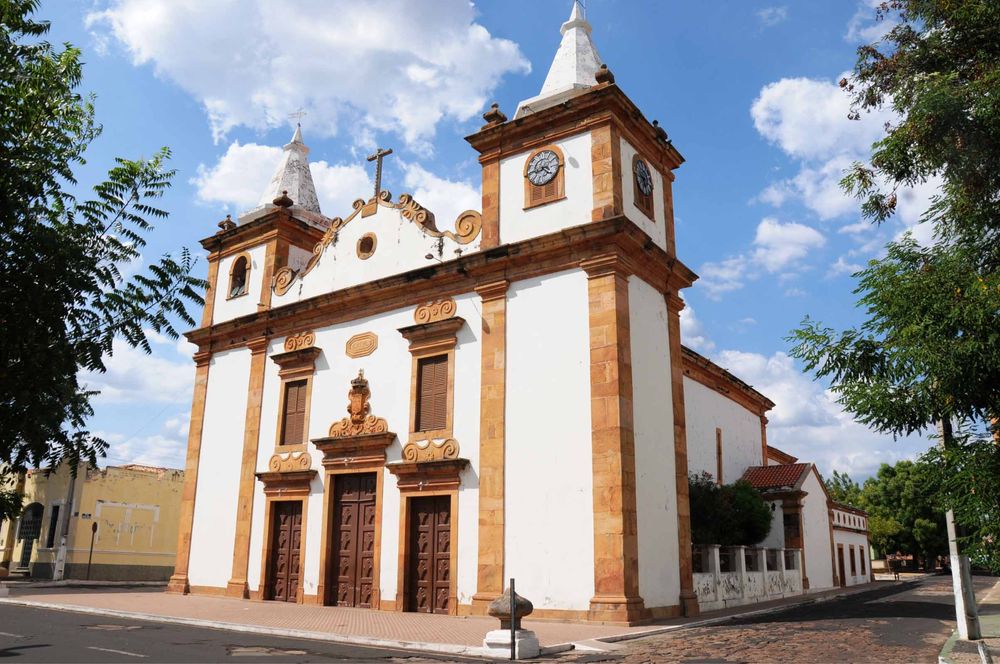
(746, 90)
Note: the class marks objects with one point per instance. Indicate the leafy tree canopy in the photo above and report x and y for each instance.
(843, 489)
(729, 515)
(63, 298)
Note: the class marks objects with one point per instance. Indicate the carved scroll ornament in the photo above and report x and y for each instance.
(430, 312)
(283, 280)
(289, 462)
(300, 340)
(430, 450)
(360, 421)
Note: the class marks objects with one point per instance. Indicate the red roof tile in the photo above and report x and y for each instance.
(769, 478)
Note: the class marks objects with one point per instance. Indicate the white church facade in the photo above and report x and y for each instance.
(400, 412)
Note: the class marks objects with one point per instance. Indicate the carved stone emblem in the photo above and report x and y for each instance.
(289, 462)
(359, 421)
(435, 311)
(362, 345)
(300, 340)
(430, 450)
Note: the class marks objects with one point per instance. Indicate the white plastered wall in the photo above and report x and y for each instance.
(518, 224)
(400, 246)
(849, 538)
(705, 410)
(298, 257)
(653, 423)
(388, 371)
(776, 537)
(214, 530)
(227, 309)
(549, 521)
(816, 535)
(655, 228)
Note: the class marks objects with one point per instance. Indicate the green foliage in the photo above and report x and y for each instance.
(10, 504)
(729, 515)
(904, 509)
(843, 489)
(63, 298)
(939, 70)
(968, 473)
(930, 349)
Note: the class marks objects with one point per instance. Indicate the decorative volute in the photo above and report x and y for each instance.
(573, 68)
(293, 179)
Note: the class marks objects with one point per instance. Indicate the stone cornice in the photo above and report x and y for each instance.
(534, 257)
(709, 374)
(277, 223)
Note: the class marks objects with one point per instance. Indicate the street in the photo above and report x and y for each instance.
(42, 635)
(898, 623)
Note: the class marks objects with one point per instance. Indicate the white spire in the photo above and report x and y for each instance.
(573, 67)
(293, 175)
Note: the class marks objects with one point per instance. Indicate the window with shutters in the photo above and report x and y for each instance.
(432, 393)
(553, 190)
(294, 413)
(53, 527)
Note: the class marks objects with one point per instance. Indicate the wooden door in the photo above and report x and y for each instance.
(354, 536)
(286, 538)
(429, 569)
(840, 564)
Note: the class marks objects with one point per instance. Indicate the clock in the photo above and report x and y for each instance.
(543, 167)
(643, 178)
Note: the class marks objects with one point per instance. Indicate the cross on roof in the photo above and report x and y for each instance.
(377, 158)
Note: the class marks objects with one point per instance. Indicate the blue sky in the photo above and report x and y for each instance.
(747, 92)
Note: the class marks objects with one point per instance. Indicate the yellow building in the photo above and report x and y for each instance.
(135, 510)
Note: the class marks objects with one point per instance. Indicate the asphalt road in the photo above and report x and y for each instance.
(43, 635)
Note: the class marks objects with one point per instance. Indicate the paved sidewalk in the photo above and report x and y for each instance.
(434, 633)
(967, 652)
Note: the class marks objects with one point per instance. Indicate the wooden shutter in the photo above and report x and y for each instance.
(432, 393)
(293, 427)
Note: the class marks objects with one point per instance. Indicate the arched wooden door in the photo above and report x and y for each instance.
(29, 530)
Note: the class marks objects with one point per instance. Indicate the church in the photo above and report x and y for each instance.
(401, 412)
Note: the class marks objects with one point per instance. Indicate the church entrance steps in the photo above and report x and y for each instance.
(418, 632)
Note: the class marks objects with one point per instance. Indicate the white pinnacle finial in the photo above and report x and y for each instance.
(293, 175)
(573, 67)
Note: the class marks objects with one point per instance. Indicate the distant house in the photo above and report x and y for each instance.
(135, 509)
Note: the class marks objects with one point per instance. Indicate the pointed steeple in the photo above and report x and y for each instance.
(293, 176)
(573, 67)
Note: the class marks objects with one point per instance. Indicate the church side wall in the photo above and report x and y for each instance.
(519, 224)
(705, 410)
(219, 469)
(226, 308)
(549, 537)
(776, 537)
(656, 230)
(653, 422)
(816, 524)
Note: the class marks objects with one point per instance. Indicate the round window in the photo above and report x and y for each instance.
(366, 245)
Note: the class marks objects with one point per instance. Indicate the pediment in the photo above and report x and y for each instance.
(379, 238)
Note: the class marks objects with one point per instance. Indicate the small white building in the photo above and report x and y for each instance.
(399, 412)
(851, 544)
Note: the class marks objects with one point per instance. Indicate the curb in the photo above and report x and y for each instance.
(415, 646)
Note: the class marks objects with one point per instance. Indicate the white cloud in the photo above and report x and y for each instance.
(134, 377)
(242, 173)
(692, 333)
(808, 422)
(445, 198)
(777, 248)
(807, 119)
(769, 16)
(842, 267)
(864, 27)
(157, 450)
(779, 245)
(387, 65)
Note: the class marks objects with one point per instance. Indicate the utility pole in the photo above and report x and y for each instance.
(966, 614)
(59, 572)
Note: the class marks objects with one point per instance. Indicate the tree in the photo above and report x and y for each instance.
(929, 352)
(63, 298)
(729, 515)
(843, 489)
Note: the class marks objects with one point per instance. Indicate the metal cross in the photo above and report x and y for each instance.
(377, 158)
(297, 115)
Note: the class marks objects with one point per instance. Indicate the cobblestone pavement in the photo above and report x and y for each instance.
(898, 623)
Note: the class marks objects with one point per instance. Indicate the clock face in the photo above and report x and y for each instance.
(543, 167)
(643, 177)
